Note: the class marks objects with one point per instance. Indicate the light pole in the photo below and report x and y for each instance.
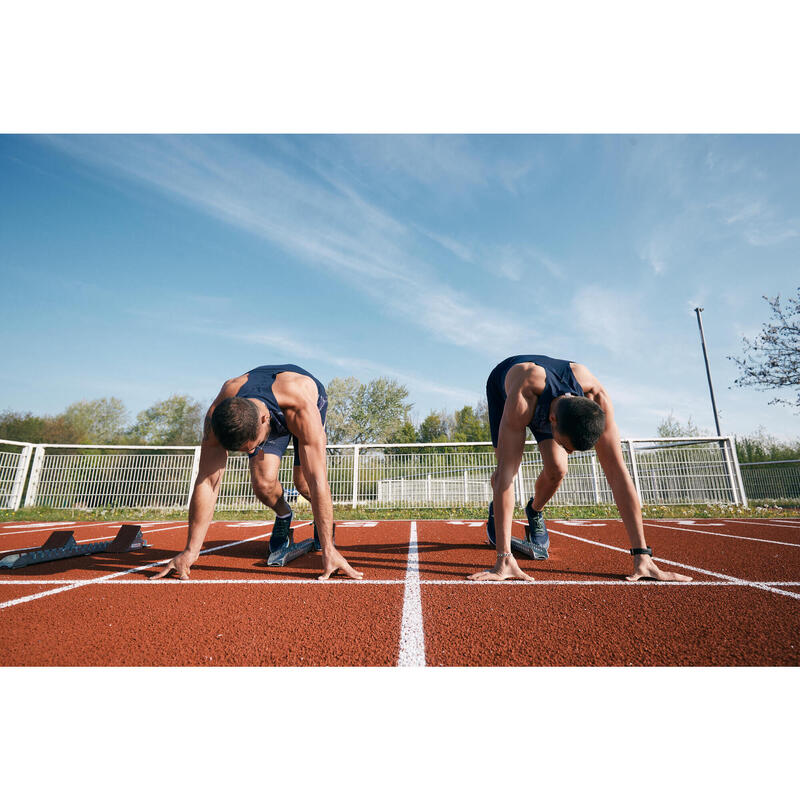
(708, 370)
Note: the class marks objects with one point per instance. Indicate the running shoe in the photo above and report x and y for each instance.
(537, 531)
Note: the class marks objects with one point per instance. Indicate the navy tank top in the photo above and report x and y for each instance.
(559, 381)
(259, 386)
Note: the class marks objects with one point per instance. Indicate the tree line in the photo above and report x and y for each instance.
(358, 413)
(174, 421)
(757, 446)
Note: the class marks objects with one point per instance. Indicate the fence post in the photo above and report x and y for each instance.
(466, 489)
(518, 482)
(195, 470)
(635, 470)
(595, 479)
(19, 480)
(736, 475)
(355, 475)
(36, 474)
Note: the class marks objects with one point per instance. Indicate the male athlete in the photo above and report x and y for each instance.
(566, 409)
(257, 413)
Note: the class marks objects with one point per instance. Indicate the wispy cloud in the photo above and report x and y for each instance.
(295, 347)
(747, 211)
(653, 253)
(610, 318)
(327, 223)
(771, 232)
(758, 222)
(458, 249)
(518, 262)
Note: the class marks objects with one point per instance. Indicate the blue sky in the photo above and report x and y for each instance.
(144, 266)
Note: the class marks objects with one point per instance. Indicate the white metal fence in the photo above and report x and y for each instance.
(14, 460)
(664, 471)
(772, 480)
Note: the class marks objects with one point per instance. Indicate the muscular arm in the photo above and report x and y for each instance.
(609, 453)
(304, 422)
(311, 443)
(213, 459)
(517, 412)
(510, 447)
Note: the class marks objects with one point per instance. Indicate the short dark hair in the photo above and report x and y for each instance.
(234, 422)
(581, 420)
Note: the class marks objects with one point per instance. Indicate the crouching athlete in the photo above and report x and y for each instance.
(257, 413)
(566, 409)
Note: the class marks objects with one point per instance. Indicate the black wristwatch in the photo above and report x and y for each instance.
(641, 551)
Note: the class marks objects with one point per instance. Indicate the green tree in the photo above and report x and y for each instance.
(23, 427)
(406, 434)
(102, 421)
(365, 412)
(772, 359)
(761, 446)
(433, 428)
(671, 427)
(471, 425)
(178, 420)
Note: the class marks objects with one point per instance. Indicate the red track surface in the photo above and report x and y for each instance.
(743, 607)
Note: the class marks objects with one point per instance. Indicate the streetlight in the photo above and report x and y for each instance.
(708, 370)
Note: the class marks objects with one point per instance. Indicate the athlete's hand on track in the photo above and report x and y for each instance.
(643, 567)
(505, 568)
(181, 564)
(336, 561)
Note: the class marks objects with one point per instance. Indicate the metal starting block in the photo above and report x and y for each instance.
(527, 547)
(289, 551)
(62, 544)
(317, 543)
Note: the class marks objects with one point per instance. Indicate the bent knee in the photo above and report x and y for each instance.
(268, 490)
(555, 474)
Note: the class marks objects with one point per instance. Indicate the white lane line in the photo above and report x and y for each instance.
(60, 526)
(397, 582)
(104, 578)
(740, 581)
(412, 633)
(352, 524)
(100, 539)
(697, 530)
(792, 524)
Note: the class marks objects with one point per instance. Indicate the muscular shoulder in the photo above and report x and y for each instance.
(526, 379)
(592, 387)
(294, 391)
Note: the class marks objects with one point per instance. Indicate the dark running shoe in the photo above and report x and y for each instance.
(490, 525)
(537, 531)
(281, 531)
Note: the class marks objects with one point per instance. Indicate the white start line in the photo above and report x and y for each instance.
(526, 585)
(412, 640)
(696, 531)
(738, 581)
(105, 578)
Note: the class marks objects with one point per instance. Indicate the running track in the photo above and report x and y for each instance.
(414, 607)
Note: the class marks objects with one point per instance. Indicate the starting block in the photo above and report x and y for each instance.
(62, 544)
(317, 543)
(289, 551)
(527, 547)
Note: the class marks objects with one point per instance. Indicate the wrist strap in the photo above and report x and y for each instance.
(503, 555)
(641, 551)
